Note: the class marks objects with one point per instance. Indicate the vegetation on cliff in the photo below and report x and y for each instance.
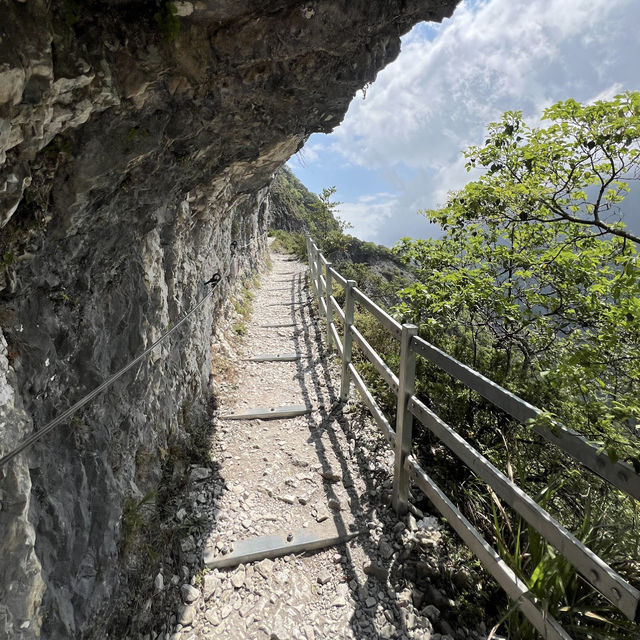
(296, 211)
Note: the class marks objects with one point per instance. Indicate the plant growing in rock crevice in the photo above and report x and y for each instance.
(168, 22)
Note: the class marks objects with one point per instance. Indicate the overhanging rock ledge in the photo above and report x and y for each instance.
(137, 141)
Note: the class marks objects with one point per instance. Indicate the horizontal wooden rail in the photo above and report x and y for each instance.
(619, 474)
(515, 588)
(381, 366)
(379, 417)
(337, 308)
(342, 281)
(593, 569)
(391, 325)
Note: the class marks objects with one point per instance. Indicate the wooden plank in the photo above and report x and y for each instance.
(347, 340)
(265, 413)
(395, 328)
(277, 325)
(288, 304)
(381, 366)
(327, 305)
(336, 339)
(597, 572)
(619, 474)
(276, 357)
(404, 420)
(280, 544)
(338, 278)
(376, 412)
(337, 308)
(515, 588)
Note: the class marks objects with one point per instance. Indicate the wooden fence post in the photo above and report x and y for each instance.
(310, 259)
(404, 420)
(329, 293)
(346, 345)
(319, 280)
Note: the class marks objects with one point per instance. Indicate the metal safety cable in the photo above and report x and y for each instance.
(27, 442)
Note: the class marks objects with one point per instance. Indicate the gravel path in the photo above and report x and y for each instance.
(284, 475)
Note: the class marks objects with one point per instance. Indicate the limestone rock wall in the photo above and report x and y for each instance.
(137, 140)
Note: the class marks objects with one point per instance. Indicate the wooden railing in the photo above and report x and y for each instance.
(407, 470)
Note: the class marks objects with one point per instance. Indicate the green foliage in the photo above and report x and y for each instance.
(326, 229)
(577, 169)
(135, 515)
(313, 213)
(552, 580)
(136, 132)
(168, 22)
(289, 242)
(243, 303)
(536, 284)
(57, 146)
(72, 11)
(240, 328)
(547, 305)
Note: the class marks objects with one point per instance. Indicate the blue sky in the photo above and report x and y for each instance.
(398, 149)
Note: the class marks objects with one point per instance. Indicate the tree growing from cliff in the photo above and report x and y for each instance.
(575, 170)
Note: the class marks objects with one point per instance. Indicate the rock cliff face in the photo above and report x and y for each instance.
(137, 140)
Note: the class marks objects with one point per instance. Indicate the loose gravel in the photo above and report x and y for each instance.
(283, 475)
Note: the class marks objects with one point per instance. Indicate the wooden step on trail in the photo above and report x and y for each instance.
(270, 413)
(277, 325)
(279, 544)
(292, 280)
(288, 304)
(276, 357)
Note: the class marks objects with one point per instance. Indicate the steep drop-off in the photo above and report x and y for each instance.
(137, 141)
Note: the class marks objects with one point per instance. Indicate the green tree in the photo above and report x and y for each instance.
(325, 227)
(536, 284)
(577, 169)
(533, 277)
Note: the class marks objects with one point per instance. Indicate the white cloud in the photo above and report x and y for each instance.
(368, 214)
(451, 80)
(492, 56)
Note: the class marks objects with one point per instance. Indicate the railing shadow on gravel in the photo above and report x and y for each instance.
(307, 334)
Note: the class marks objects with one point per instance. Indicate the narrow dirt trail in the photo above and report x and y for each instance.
(282, 476)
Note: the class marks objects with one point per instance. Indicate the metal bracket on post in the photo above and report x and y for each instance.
(328, 295)
(346, 346)
(404, 420)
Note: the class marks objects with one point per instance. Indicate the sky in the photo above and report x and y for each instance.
(399, 147)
